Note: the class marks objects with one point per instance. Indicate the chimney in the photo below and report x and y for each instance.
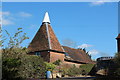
(118, 42)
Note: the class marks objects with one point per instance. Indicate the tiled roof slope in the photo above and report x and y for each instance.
(42, 41)
(55, 45)
(78, 55)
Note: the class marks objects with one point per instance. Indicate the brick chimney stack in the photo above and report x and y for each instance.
(118, 43)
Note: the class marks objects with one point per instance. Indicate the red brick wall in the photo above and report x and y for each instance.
(118, 42)
(51, 56)
(45, 55)
(118, 45)
(31, 53)
(55, 56)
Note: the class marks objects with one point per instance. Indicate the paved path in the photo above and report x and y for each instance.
(81, 78)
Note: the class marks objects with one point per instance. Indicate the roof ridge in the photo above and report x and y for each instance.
(47, 30)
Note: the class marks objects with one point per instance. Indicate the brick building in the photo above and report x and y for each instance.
(118, 42)
(46, 44)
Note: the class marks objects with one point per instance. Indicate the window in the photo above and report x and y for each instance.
(37, 53)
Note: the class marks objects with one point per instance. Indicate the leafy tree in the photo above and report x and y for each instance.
(88, 55)
(1, 38)
(1, 44)
(16, 39)
(117, 58)
(117, 61)
(84, 50)
(24, 66)
(17, 63)
(11, 54)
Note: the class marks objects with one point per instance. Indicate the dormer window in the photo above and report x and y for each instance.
(66, 54)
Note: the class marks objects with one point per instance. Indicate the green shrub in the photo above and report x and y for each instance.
(10, 68)
(83, 69)
(17, 63)
(32, 66)
(57, 62)
(73, 71)
(86, 68)
(50, 66)
(22, 65)
(117, 61)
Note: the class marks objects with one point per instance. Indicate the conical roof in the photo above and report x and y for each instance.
(46, 18)
(118, 37)
(45, 39)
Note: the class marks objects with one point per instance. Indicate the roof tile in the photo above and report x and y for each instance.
(40, 41)
(77, 55)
